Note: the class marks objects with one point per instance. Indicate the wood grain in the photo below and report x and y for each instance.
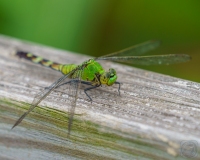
(152, 118)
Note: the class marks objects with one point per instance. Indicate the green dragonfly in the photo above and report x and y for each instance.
(92, 73)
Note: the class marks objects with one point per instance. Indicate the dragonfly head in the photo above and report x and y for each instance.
(109, 77)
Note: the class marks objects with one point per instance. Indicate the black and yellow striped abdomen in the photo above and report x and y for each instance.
(39, 60)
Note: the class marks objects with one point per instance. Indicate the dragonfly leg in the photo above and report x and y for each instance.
(93, 87)
(119, 87)
(83, 82)
(73, 80)
(67, 82)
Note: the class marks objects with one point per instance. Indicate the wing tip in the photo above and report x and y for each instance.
(15, 124)
(188, 57)
(156, 41)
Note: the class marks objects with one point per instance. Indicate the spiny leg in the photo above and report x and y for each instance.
(83, 82)
(87, 89)
(119, 87)
(88, 83)
(75, 80)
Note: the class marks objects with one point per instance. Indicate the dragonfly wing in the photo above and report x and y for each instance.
(75, 85)
(42, 95)
(150, 60)
(136, 50)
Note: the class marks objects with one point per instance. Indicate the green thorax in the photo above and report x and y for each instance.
(91, 72)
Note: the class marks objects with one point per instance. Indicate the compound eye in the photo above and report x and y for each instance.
(107, 75)
(112, 71)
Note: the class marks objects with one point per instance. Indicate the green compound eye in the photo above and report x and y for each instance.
(112, 71)
(112, 80)
(112, 77)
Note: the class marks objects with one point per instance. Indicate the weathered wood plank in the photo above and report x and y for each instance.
(148, 121)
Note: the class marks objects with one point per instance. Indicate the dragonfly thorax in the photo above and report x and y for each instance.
(109, 77)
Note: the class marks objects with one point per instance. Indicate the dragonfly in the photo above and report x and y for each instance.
(91, 72)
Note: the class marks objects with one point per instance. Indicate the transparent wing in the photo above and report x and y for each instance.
(74, 89)
(136, 50)
(150, 60)
(42, 95)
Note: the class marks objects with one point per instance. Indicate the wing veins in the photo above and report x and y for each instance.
(76, 86)
(150, 60)
(138, 49)
(42, 95)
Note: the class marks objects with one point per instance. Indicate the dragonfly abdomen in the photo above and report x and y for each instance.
(39, 60)
(66, 68)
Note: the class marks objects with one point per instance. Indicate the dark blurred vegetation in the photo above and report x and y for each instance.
(97, 27)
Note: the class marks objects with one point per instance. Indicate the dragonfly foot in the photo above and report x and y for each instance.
(90, 99)
(85, 90)
(118, 87)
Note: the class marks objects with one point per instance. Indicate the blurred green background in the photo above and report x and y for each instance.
(97, 27)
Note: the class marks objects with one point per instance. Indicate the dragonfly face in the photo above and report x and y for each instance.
(108, 78)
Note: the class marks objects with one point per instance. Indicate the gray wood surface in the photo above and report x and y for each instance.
(155, 117)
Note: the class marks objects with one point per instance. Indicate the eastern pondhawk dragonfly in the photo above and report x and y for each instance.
(92, 73)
